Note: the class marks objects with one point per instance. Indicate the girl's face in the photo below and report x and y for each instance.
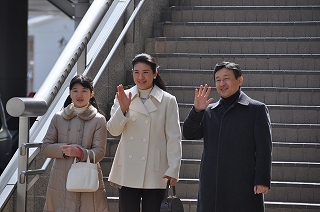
(143, 76)
(80, 95)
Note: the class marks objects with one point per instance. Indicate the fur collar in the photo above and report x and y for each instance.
(69, 113)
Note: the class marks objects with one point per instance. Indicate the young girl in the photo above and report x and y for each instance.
(78, 127)
(149, 152)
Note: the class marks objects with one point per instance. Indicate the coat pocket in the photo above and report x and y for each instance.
(156, 160)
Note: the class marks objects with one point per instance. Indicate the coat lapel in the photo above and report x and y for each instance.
(148, 106)
(137, 105)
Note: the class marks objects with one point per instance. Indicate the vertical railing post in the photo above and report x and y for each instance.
(80, 10)
(22, 164)
(129, 37)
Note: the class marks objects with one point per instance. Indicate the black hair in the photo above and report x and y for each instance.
(149, 60)
(86, 82)
(229, 65)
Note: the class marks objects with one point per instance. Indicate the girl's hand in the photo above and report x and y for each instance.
(69, 150)
(123, 99)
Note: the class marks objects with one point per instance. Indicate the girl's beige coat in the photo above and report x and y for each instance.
(88, 129)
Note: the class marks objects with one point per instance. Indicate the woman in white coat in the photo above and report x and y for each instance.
(149, 152)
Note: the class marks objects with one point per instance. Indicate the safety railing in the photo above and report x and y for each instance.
(51, 95)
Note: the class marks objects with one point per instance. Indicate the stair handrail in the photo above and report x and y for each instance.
(23, 175)
(39, 104)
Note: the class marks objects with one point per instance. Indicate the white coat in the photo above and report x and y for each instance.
(150, 144)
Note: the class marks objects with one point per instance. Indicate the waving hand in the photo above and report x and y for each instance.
(123, 99)
(201, 100)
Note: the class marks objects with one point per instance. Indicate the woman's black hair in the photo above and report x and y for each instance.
(86, 82)
(149, 60)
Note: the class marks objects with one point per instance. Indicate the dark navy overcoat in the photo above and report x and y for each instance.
(236, 155)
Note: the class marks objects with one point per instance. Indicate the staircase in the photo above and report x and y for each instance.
(276, 43)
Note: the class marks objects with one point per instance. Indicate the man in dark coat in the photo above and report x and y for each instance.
(235, 168)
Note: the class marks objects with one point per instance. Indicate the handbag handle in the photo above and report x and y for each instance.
(88, 157)
(173, 189)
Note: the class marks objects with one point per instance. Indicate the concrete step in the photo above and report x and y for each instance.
(281, 170)
(252, 78)
(190, 148)
(268, 95)
(289, 152)
(291, 206)
(294, 192)
(190, 205)
(236, 45)
(296, 133)
(194, 61)
(282, 151)
(243, 2)
(296, 171)
(290, 114)
(241, 13)
(280, 191)
(240, 29)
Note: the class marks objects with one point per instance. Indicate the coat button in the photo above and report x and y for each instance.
(144, 140)
(131, 138)
(133, 119)
(146, 122)
(143, 158)
(130, 156)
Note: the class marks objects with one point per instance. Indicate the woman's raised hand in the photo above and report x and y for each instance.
(123, 99)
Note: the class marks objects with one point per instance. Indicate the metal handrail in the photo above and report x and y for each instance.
(115, 46)
(43, 98)
(23, 151)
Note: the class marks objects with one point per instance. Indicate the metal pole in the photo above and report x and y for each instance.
(80, 10)
(22, 164)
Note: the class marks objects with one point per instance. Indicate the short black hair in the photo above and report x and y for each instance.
(229, 65)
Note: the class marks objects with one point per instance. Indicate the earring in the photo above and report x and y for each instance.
(155, 77)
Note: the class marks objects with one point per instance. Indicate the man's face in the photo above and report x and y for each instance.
(226, 82)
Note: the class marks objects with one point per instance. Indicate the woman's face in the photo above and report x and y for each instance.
(80, 95)
(143, 76)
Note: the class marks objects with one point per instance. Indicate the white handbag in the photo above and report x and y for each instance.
(83, 176)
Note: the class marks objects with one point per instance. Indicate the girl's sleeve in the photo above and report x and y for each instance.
(50, 147)
(99, 141)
